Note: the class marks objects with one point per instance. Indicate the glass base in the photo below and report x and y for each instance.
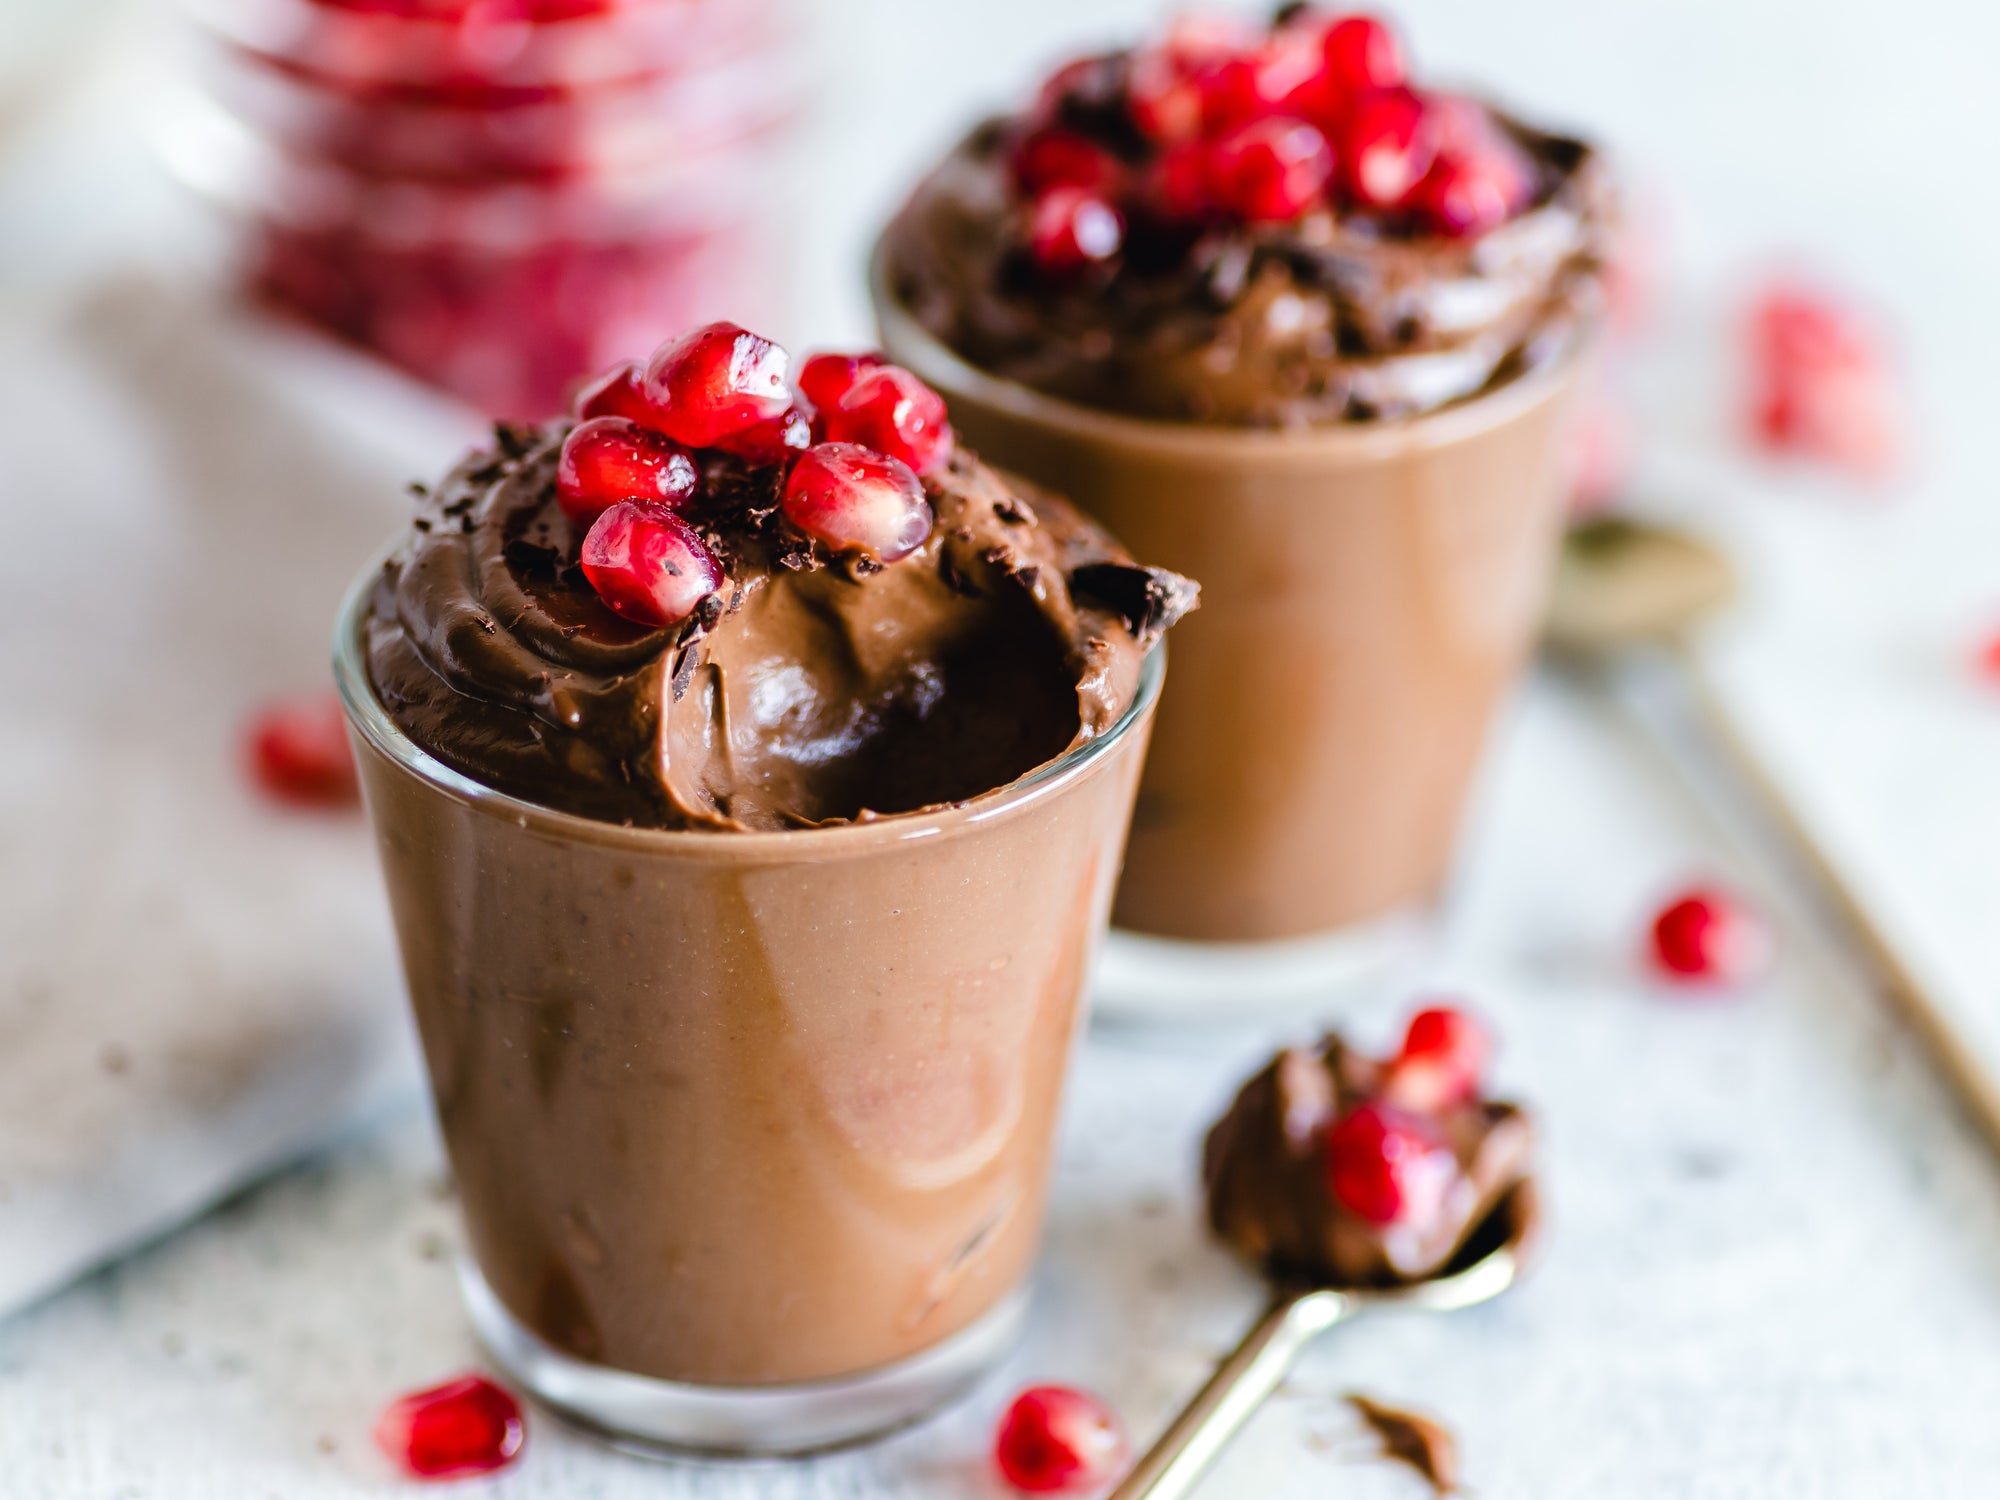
(665, 1419)
(1148, 980)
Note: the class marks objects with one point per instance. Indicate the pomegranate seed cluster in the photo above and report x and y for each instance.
(1224, 121)
(853, 440)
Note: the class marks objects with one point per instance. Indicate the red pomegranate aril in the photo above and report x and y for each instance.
(1282, 76)
(1988, 658)
(1270, 171)
(1054, 157)
(714, 381)
(1164, 98)
(464, 1427)
(648, 565)
(1072, 227)
(1386, 1166)
(1057, 1440)
(825, 378)
(891, 411)
(615, 393)
(1467, 194)
(608, 459)
(1177, 182)
(299, 753)
(1706, 936)
(1821, 384)
(1362, 53)
(777, 441)
(852, 499)
(1443, 1055)
(1388, 141)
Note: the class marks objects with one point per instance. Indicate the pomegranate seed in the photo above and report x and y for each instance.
(463, 1427)
(647, 564)
(1386, 1166)
(1055, 1440)
(608, 459)
(826, 377)
(1989, 658)
(1362, 53)
(714, 381)
(615, 393)
(1387, 143)
(1444, 1052)
(1821, 384)
(1054, 157)
(1270, 171)
(299, 753)
(777, 441)
(855, 500)
(1070, 227)
(1177, 183)
(890, 410)
(1466, 194)
(1283, 76)
(1167, 85)
(1705, 936)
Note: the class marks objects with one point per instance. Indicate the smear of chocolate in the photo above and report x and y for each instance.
(1148, 600)
(1413, 1440)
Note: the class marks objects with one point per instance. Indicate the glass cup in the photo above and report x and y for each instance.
(751, 1132)
(1370, 592)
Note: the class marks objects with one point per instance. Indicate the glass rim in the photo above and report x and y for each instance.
(367, 715)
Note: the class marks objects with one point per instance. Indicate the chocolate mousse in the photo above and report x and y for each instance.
(1332, 1168)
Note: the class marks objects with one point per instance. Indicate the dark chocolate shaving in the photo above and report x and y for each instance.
(1148, 600)
(1416, 1441)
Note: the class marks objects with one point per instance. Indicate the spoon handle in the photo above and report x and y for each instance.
(1238, 1387)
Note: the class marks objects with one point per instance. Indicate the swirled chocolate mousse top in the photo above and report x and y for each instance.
(1255, 226)
(714, 601)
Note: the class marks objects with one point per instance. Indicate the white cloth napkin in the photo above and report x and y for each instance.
(195, 984)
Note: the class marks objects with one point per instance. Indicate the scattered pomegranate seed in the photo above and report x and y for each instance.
(1386, 1166)
(1069, 227)
(1706, 936)
(615, 393)
(1270, 171)
(1387, 143)
(463, 1427)
(781, 439)
(299, 753)
(890, 410)
(856, 500)
(714, 381)
(1056, 1440)
(1363, 53)
(1989, 658)
(826, 377)
(1821, 384)
(1468, 193)
(1055, 157)
(1444, 1053)
(608, 459)
(647, 564)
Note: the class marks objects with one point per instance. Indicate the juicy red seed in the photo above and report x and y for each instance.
(826, 377)
(615, 393)
(890, 410)
(298, 752)
(1070, 227)
(1387, 143)
(466, 1426)
(1363, 53)
(1164, 98)
(777, 441)
(1283, 76)
(1443, 1055)
(1386, 1166)
(1468, 194)
(1989, 658)
(608, 459)
(1177, 184)
(1821, 385)
(1270, 171)
(1706, 936)
(853, 499)
(647, 564)
(1054, 1439)
(1054, 157)
(714, 381)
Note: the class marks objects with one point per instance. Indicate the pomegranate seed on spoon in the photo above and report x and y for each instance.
(647, 564)
(1705, 936)
(1387, 143)
(1056, 1440)
(464, 1427)
(714, 381)
(608, 459)
(1270, 171)
(853, 499)
(299, 753)
(888, 409)
(616, 393)
(1443, 1055)
(1386, 1166)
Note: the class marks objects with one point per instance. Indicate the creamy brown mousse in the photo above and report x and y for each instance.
(1270, 1172)
(815, 691)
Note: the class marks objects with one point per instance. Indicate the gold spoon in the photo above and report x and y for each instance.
(1623, 587)
(1490, 1262)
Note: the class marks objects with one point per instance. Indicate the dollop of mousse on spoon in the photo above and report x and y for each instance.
(717, 599)
(1336, 1169)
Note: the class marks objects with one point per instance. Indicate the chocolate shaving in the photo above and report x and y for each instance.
(1029, 576)
(419, 489)
(708, 612)
(1010, 512)
(526, 557)
(421, 524)
(1417, 1441)
(683, 672)
(515, 439)
(1148, 600)
(955, 579)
